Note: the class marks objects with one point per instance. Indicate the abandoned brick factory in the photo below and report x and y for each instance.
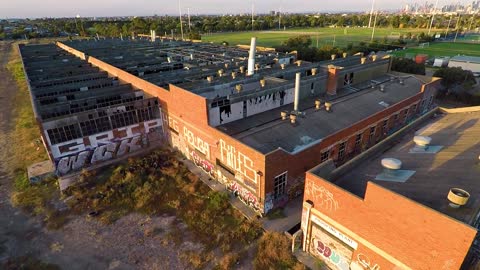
(255, 120)
(387, 178)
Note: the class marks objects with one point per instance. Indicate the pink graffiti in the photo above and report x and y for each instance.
(244, 195)
(330, 254)
(203, 164)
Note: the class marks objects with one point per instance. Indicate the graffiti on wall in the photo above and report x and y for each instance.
(268, 202)
(244, 195)
(100, 154)
(330, 254)
(365, 263)
(73, 147)
(204, 164)
(321, 196)
(196, 142)
(237, 161)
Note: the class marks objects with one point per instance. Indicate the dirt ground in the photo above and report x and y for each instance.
(133, 242)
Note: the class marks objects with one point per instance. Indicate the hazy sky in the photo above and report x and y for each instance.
(88, 8)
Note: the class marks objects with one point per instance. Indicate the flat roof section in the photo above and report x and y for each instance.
(266, 132)
(456, 165)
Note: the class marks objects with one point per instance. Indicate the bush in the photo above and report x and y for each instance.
(408, 66)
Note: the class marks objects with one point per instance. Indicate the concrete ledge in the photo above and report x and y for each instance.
(460, 110)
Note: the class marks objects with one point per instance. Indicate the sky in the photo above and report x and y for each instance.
(106, 8)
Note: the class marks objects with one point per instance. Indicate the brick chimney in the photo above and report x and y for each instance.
(332, 80)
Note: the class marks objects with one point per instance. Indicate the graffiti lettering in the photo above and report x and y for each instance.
(74, 146)
(100, 154)
(238, 161)
(205, 165)
(321, 196)
(196, 142)
(332, 255)
(244, 195)
(365, 262)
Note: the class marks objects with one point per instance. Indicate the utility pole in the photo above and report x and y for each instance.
(280, 19)
(181, 22)
(371, 14)
(433, 17)
(374, 23)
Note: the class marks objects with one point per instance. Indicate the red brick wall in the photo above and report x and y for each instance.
(413, 234)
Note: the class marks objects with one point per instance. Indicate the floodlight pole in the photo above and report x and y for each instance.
(374, 23)
(433, 17)
(448, 26)
(371, 14)
(181, 22)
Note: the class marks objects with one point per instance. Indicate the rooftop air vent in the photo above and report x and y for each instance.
(318, 104)
(363, 60)
(210, 79)
(391, 165)
(263, 82)
(382, 88)
(299, 63)
(457, 197)
(422, 142)
(401, 81)
(374, 57)
(314, 71)
(242, 69)
(239, 88)
(220, 72)
(345, 55)
(234, 74)
(328, 106)
(293, 118)
(282, 66)
(284, 115)
(333, 56)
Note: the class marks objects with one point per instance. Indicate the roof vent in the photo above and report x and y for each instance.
(257, 67)
(457, 197)
(293, 118)
(401, 81)
(234, 74)
(334, 56)
(242, 69)
(363, 60)
(282, 66)
(238, 88)
(227, 65)
(314, 71)
(382, 87)
(299, 63)
(284, 115)
(263, 82)
(328, 106)
(210, 79)
(374, 57)
(373, 85)
(422, 142)
(220, 72)
(318, 104)
(345, 55)
(391, 165)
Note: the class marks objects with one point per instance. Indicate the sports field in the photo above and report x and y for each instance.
(443, 49)
(340, 37)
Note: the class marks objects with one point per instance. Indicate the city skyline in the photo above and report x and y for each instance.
(90, 8)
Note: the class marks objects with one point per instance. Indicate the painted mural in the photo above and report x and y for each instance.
(203, 163)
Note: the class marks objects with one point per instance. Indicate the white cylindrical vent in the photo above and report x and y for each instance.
(251, 57)
(422, 142)
(297, 91)
(334, 56)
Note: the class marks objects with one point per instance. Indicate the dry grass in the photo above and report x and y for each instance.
(274, 253)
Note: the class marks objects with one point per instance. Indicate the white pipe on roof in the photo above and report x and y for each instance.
(251, 57)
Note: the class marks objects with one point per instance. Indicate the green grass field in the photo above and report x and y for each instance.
(340, 37)
(443, 49)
